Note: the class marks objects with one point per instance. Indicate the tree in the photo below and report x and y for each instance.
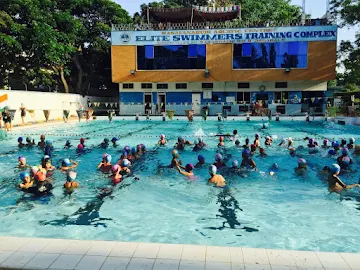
(348, 13)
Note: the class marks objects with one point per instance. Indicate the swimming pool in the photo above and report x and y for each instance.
(284, 212)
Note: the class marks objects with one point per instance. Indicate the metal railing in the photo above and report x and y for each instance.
(216, 25)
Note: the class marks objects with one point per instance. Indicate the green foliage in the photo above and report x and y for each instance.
(351, 87)
(332, 111)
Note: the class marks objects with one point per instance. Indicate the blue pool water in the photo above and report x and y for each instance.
(285, 211)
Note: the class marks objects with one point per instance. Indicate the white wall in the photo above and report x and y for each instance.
(55, 102)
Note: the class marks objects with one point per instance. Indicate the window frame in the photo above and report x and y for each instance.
(143, 84)
(178, 84)
(128, 86)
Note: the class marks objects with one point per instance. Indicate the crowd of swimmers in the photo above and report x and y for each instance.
(38, 179)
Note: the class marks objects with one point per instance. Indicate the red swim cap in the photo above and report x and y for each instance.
(82, 140)
(40, 176)
(80, 146)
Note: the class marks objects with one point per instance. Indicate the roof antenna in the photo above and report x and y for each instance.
(303, 14)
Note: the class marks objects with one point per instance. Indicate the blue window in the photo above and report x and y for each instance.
(270, 55)
(171, 57)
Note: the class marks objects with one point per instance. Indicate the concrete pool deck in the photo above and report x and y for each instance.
(43, 253)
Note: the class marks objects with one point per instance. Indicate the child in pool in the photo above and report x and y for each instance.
(70, 183)
(26, 181)
(162, 140)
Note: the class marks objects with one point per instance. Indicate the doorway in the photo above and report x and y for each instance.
(148, 103)
(196, 103)
(161, 103)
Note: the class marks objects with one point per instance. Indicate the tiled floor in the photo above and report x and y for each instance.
(26, 253)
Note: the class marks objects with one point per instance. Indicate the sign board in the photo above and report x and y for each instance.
(218, 36)
(207, 94)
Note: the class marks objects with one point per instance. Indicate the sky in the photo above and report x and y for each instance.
(316, 8)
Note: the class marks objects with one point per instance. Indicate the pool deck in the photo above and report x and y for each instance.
(43, 253)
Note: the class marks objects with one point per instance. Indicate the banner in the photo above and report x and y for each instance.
(215, 36)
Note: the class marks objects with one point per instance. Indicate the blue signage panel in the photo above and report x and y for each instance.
(217, 36)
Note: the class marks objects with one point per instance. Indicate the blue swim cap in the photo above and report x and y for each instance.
(143, 147)
(127, 149)
(212, 169)
(66, 162)
(275, 166)
(48, 143)
(332, 152)
(114, 139)
(108, 158)
(335, 168)
(345, 151)
(335, 144)
(20, 139)
(133, 150)
(23, 175)
(125, 163)
(201, 158)
(246, 152)
(235, 163)
(218, 157)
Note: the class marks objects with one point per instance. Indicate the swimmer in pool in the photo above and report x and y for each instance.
(143, 148)
(197, 146)
(257, 140)
(33, 171)
(68, 164)
(351, 143)
(124, 168)
(344, 160)
(252, 149)
(325, 144)
(175, 159)
(201, 142)
(30, 142)
(132, 156)
(332, 152)
(282, 143)
(336, 146)
(80, 148)
(116, 176)
(82, 141)
(263, 126)
(20, 141)
(268, 141)
(42, 143)
(46, 164)
(292, 151)
(105, 165)
(48, 148)
(312, 143)
(40, 176)
(343, 143)
(237, 144)
(26, 181)
(180, 145)
(247, 162)
(273, 169)
(219, 161)
(324, 173)
(247, 144)
(357, 149)
(235, 135)
(221, 141)
(262, 152)
(162, 140)
(216, 179)
(334, 182)
(70, 183)
(105, 143)
(67, 144)
(201, 161)
(114, 140)
(290, 142)
(22, 163)
(301, 169)
(188, 172)
(234, 166)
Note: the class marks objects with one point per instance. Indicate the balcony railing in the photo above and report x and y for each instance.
(217, 25)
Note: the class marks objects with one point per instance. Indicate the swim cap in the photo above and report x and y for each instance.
(40, 176)
(345, 151)
(275, 166)
(82, 140)
(34, 169)
(212, 169)
(106, 140)
(48, 143)
(292, 149)
(262, 150)
(133, 150)
(235, 163)
(68, 142)
(221, 138)
(325, 142)
(71, 176)
(237, 142)
(115, 167)
(201, 158)
(20, 139)
(218, 157)
(189, 167)
(301, 161)
(143, 147)
(23, 175)
(46, 157)
(66, 162)
(267, 138)
(80, 146)
(246, 153)
(352, 140)
(174, 152)
(290, 139)
(343, 141)
(104, 155)
(162, 136)
(311, 141)
(335, 144)
(28, 139)
(108, 158)
(21, 158)
(42, 136)
(346, 160)
(127, 149)
(114, 139)
(335, 168)
(125, 162)
(332, 152)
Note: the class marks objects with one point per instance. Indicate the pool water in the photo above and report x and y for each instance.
(285, 211)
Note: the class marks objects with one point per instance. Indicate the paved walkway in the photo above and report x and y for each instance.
(41, 253)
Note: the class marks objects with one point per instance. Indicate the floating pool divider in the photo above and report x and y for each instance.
(170, 114)
(66, 115)
(190, 115)
(47, 114)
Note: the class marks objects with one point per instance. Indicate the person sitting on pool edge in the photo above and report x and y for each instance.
(188, 171)
(26, 181)
(334, 182)
(42, 142)
(219, 161)
(216, 179)
(247, 162)
(301, 169)
(70, 183)
(344, 160)
(20, 141)
(201, 161)
(162, 140)
(66, 164)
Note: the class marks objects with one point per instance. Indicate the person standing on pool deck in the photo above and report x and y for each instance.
(216, 179)
(23, 113)
(7, 120)
(335, 184)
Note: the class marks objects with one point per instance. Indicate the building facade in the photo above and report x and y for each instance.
(286, 69)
